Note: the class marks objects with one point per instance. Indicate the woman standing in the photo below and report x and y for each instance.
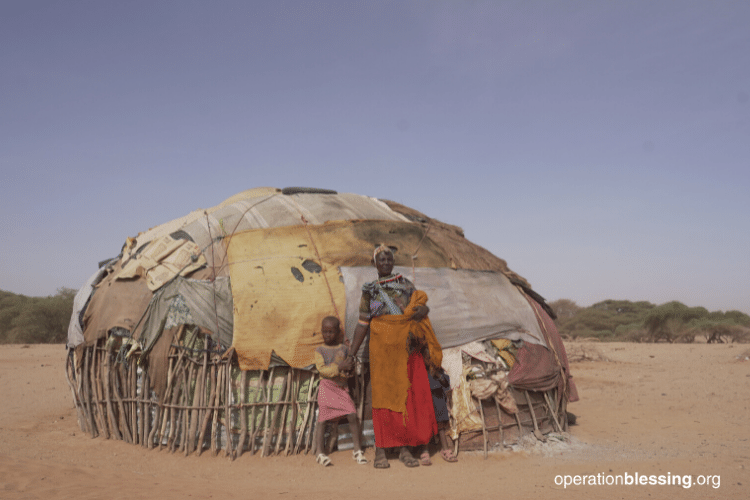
(402, 346)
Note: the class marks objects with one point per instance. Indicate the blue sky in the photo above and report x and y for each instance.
(601, 148)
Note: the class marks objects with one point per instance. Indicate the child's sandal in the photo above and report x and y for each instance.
(323, 460)
(359, 457)
(448, 456)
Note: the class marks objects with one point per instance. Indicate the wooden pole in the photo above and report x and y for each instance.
(96, 378)
(306, 417)
(518, 422)
(117, 379)
(145, 409)
(314, 402)
(229, 445)
(208, 413)
(242, 394)
(182, 411)
(285, 390)
(70, 375)
(199, 399)
(217, 405)
(87, 396)
(484, 427)
(553, 412)
(259, 396)
(164, 410)
(133, 400)
(191, 410)
(174, 411)
(537, 433)
(292, 411)
(110, 410)
(501, 431)
(155, 425)
(267, 415)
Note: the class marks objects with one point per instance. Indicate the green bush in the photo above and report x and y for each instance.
(35, 320)
(625, 321)
(603, 320)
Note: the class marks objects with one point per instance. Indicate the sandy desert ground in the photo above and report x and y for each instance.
(654, 410)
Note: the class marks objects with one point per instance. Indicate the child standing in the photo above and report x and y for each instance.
(333, 396)
(440, 385)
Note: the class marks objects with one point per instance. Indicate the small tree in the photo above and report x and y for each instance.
(719, 327)
(564, 308)
(35, 319)
(669, 322)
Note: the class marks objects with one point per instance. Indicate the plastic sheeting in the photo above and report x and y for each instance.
(285, 280)
(75, 330)
(193, 302)
(279, 302)
(163, 259)
(296, 258)
(464, 305)
(267, 208)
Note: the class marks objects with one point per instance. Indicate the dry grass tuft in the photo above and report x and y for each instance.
(584, 352)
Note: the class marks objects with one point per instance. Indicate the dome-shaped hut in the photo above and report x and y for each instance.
(201, 332)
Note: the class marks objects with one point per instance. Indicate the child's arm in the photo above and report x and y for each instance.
(347, 365)
(326, 371)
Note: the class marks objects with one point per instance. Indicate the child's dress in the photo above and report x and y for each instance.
(439, 387)
(333, 395)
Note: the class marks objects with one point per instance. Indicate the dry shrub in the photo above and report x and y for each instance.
(583, 352)
(728, 333)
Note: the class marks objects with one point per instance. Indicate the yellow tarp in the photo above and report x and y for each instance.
(281, 294)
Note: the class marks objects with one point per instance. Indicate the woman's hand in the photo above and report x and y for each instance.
(347, 364)
(420, 312)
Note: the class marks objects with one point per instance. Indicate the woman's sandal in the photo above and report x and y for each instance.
(359, 457)
(407, 458)
(448, 456)
(424, 458)
(323, 460)
(381, 460)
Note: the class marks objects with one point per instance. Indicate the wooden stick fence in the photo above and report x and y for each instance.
(539, 412)
(209, 403)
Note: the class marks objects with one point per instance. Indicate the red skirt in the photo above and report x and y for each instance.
(418, 425)
(333, 401)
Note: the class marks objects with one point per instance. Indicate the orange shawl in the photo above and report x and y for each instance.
(389, 353)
